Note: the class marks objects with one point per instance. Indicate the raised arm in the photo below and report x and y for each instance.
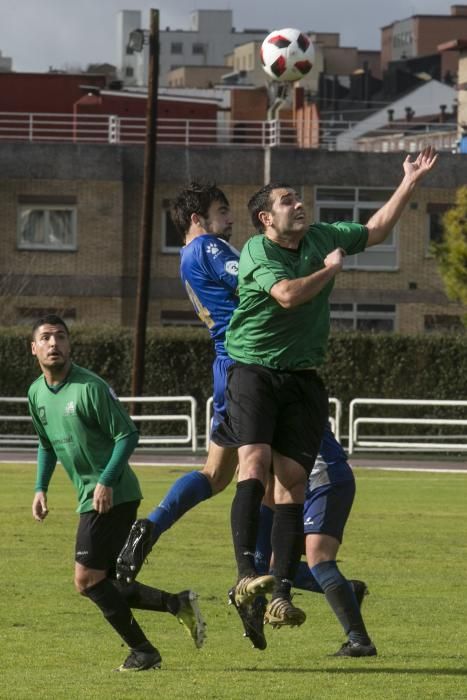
(383, 221)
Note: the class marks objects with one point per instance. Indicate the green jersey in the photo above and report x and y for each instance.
(80, 421)
(263, 332)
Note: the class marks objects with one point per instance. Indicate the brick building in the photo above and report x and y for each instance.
(420, 35)
(70, 217)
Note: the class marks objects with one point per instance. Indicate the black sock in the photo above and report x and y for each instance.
(117, 612)
(287, 545)
(244, 518)
(144, 597)
(340, 596)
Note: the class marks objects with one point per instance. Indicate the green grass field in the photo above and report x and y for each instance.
(406, 538)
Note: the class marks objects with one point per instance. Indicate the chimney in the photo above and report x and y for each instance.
(442, 116)
(409, 113)
(390, 115)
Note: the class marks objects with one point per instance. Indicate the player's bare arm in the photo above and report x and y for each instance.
(383, 221)
(289, 293)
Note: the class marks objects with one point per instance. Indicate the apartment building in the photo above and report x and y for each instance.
(209, 38)
(419, 35)
(70, 220)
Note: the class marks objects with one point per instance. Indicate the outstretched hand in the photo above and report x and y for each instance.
(423, 163)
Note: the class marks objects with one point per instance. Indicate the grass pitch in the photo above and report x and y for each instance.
(406, 537)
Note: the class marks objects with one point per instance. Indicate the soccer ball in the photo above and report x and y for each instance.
(287, 54)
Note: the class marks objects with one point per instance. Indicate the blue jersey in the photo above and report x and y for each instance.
(209, 272)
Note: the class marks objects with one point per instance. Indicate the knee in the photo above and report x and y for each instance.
(86, 579)
(320, 548)
(219, 477)
(81, 584)
(220, 467)
(255, 463)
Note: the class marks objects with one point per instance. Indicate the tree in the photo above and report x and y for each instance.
(452, 251)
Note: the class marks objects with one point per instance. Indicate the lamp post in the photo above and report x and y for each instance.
(137, 39)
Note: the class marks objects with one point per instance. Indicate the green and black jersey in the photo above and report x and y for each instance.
(263, 332)
(80, 421)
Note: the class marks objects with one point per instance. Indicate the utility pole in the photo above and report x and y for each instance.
(147, 214)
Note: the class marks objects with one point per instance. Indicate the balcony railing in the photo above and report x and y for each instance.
(57, 128)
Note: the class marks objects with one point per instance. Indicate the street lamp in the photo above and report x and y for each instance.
(137, 39)
(136, 42)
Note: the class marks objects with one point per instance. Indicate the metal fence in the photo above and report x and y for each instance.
(433, 431)
(443, 436)
(186, 407)
(334, 418)
(322, 134)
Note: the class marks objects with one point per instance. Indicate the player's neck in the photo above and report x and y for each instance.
(56, 375)
(194, 232)
(285, 240)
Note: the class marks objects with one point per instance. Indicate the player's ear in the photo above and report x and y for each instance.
(33, 347)
(265, 218)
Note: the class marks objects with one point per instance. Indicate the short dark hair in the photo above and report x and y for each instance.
(261, 201)
(50, 320)
(196, 198)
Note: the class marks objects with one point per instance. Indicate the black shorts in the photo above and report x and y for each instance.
(101, 536)
(287, 410)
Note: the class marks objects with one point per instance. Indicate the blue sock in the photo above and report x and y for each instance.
(263, 541)
(305, 580)
(185, 494)
(340, 596)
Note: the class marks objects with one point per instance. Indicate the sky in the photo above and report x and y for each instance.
(39, 34)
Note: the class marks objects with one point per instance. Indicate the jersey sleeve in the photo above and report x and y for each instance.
(101, 405)
(221, 261)
(350, 236)
(265, 271)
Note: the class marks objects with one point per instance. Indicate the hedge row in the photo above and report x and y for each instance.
(178, 361)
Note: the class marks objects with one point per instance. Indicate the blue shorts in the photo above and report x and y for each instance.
(219, 373)
(327, 509)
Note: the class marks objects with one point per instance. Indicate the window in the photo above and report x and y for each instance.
(47, 226)
(171, 238)
(371, 318)
(129, 72)
(435, 213)
(176, 48)
(198, 49)
(358, 204)
(437, 323)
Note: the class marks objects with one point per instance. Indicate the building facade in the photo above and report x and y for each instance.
(420, 35)
(210, 37)
(70, 220)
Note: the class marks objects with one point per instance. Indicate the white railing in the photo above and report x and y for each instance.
(407, 442)
(318, 134)
(27, 439)
(334, 419)
(189, 420)
(435, 441)
(189, 438)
